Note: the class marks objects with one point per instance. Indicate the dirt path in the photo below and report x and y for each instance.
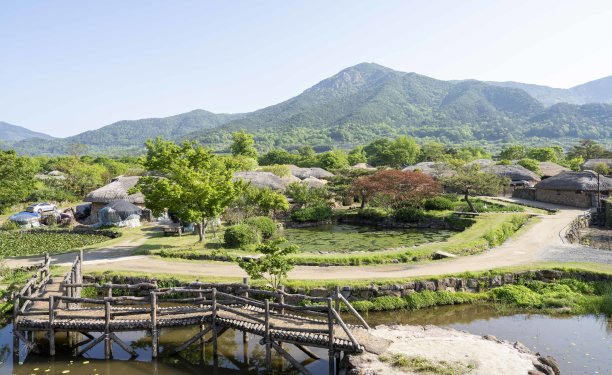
(542, 241)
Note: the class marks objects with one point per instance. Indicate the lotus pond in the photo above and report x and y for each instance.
(356, 238)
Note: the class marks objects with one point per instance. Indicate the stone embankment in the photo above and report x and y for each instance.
(410, 348)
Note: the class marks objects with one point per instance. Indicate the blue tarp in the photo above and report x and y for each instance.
(26, 219)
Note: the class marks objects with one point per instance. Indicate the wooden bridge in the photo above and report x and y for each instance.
(54, 304)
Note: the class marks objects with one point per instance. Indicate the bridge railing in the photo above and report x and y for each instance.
(32, 288)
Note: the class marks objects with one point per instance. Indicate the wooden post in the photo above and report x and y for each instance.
(214, 322)
(282, 299)
(267, 336)
(109, 289)
(154, 334)
(330, 325)
(107, 339)
(80, 270)
(51, 331)
(337, 297)
(245, 281)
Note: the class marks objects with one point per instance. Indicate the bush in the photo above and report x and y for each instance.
(9, 225)
(265, 225)
(518, 295)
(409, 215)
(312, 214)
(372, 213)
(240, 235)
(438, 204)
(531, 164)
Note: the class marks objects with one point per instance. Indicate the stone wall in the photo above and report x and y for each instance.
(526, 193)
(567, 198)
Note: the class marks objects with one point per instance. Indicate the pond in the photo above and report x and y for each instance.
(581, 344)
(356, 238)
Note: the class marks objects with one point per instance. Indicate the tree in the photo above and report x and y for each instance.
(334, 159)
(341, 184)
(543, 154)
(278, 156)
(432, 151)
(588, 149)
(273, 266)
(261, 201)
(531, 164)
(306, 196)
(357, 155)
(513, 152)
(473, 181)
(16, 178)
(398, 153)
(243, 144)
(398, 188)
(188, 180)
(601, 168)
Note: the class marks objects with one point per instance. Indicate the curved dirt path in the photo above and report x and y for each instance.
(541, 242)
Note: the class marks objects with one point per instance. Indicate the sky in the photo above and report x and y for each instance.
(71, 66)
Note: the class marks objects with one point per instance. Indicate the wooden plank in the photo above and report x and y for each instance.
(292, 360)
(354, 312)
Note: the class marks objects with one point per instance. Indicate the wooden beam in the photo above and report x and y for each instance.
(192, 340)
(292, 360)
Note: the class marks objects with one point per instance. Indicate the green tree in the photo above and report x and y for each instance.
(473, 181)
(189, 181)
(278, 156)
(243, 144)
(306, 196)
(602, 168)
(261, 201)
(588, 149)
(274, 266)
(542, 154)
(432, 151)
(398, 153)
(513, 152)
(531, 164)
(16, 178)
(334, 159)
(357, 155)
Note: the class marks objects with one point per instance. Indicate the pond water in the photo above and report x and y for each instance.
(345, 238)
(581, 344)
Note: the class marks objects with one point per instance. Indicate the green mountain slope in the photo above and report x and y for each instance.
(10, 133)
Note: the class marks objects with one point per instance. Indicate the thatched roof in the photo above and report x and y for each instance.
(513, 172)
(53, 175)
(314, 182)
(116, 190)
(303, 173)
(262, 180)
(481, 162)
(576, 181)
(364, 166)
(432, 168)
(591, 163)
(549, 169)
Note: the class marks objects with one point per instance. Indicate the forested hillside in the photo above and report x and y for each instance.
(368, 101)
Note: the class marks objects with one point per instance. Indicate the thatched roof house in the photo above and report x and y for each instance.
(432, 168)
(314, 182)
(263, 180)
(315, 172)
(591, 163)
(481, 162)
(577, 189)
(517, 174)
(549, 169)
(117, 189)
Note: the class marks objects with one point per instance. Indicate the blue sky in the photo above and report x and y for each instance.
(70, 66)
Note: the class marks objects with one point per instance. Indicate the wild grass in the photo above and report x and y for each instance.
(421, 365)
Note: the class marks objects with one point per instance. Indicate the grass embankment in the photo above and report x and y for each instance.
(488, 230)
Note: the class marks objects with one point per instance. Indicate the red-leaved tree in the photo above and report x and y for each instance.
(396, 188)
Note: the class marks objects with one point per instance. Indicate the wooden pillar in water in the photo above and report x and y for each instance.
(330, 326)
(214, 324)
(267, 339)
(154, 332)
(107, 338)
(51, 331)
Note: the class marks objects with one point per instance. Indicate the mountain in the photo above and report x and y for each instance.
(598, 91)
(10, 133)
(367, 101)
(130, 135)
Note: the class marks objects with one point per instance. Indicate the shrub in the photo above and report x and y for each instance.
(363, 306)
(409, 215)
(312, 214)
(531, 164)
(278, 169)
(438, 204)
(518, 295)
(240, 235)
(9, 225)
(265, 225)
(372, 213)
(386, 303)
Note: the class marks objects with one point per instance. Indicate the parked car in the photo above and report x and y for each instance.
(41, 207)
